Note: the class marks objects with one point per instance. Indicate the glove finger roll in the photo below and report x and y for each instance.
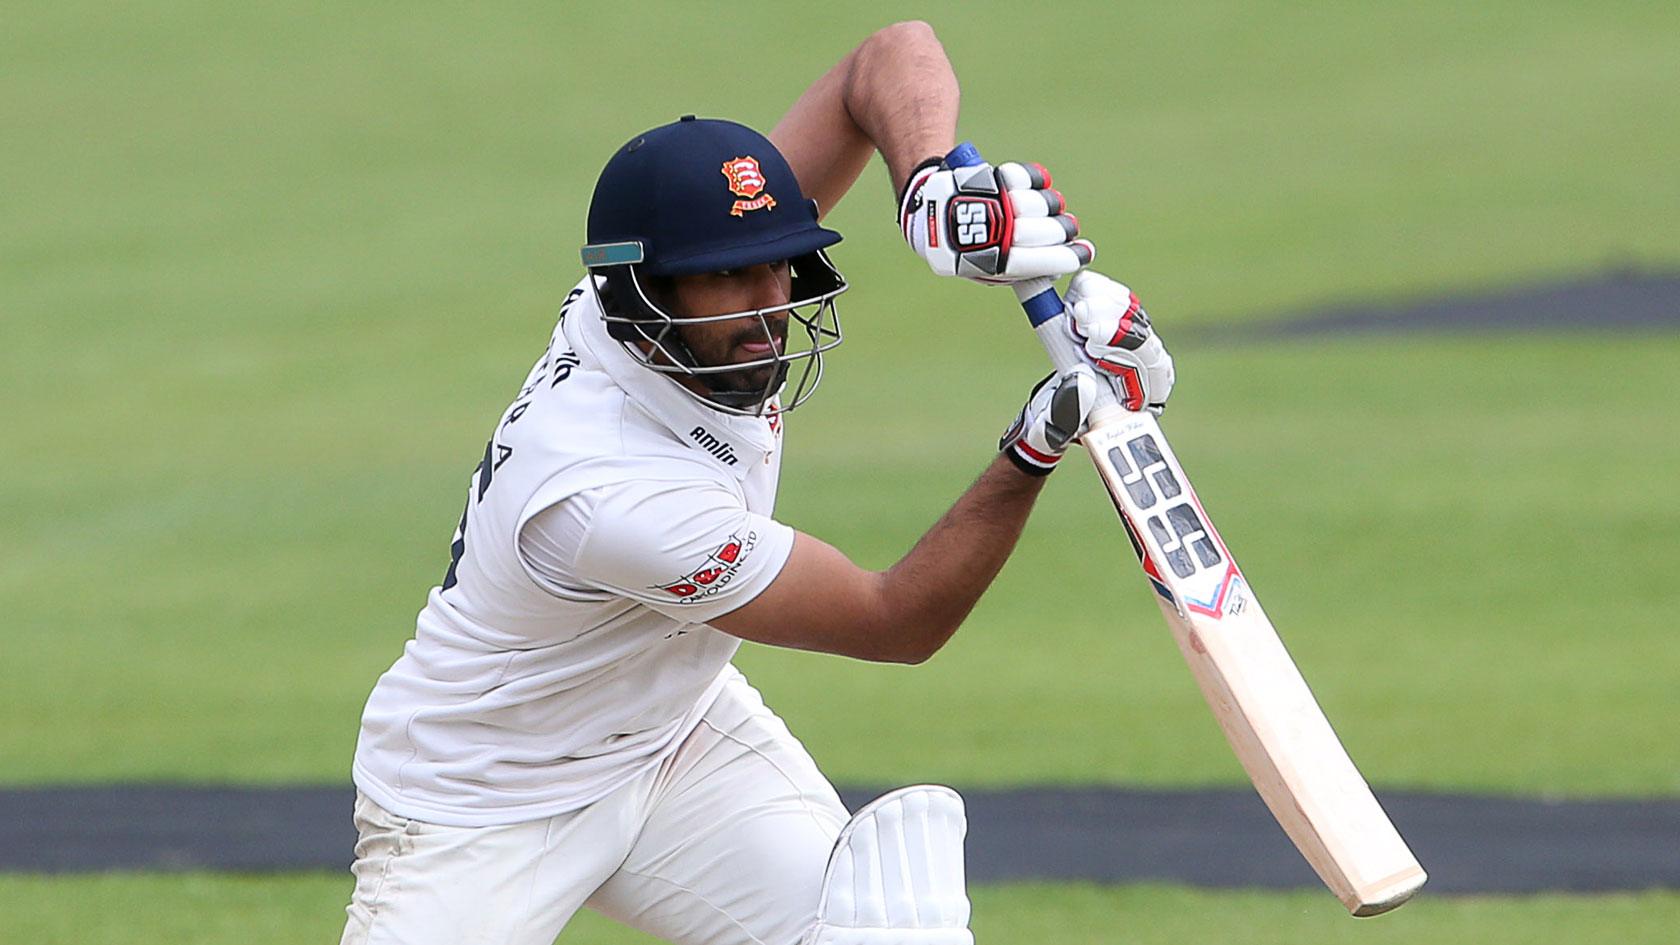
(1023, 176)
(1089, 284)
(1026, 262)
(1015, 176)
(1045, 231)
(1037, 203)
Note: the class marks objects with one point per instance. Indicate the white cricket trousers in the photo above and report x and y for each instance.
(723, 844)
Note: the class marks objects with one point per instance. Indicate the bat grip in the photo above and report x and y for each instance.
(1040, 301)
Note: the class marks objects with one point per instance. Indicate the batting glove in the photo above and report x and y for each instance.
(993, 225)
(1054, 416)
(1107, 319)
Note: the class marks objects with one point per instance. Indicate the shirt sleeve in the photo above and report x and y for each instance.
(548, 543)
(692, 552)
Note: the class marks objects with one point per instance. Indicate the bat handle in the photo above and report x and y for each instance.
(1040, 301)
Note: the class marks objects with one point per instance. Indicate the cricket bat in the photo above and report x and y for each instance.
(1270, 717)
(1268, 714)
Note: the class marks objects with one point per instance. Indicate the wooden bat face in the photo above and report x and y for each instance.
(1269, 716)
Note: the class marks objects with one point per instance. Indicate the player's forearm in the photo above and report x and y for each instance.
(895, 93)
(903, 95)
(931, 590)
(822, 601)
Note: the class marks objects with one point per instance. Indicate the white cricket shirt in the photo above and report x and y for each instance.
(538, 683)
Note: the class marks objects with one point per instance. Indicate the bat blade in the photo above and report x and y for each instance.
(1268, 714)
(1257, 694)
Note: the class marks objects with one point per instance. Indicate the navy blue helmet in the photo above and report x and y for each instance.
(704, 195)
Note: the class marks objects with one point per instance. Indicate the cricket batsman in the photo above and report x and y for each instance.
(565, 729)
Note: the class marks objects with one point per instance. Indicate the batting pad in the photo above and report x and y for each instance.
(896, 874)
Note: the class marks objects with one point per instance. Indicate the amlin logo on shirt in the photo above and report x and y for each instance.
(714, 446)
(716, 573)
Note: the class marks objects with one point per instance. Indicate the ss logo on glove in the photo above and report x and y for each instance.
(976, 222)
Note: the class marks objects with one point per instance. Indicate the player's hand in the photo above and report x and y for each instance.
(994, 225)
(1109, 322)
(1055, 415)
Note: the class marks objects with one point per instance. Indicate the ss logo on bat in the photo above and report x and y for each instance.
(1147, 479)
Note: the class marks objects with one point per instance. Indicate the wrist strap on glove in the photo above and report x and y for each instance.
(910, 181)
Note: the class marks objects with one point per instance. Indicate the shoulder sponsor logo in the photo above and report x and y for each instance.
(714, 446)
(746, 179)
(715, 573)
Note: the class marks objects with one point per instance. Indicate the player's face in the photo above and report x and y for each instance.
(734, 340)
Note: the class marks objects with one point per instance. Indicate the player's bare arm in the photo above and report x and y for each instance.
(895, 93)
(823, 601)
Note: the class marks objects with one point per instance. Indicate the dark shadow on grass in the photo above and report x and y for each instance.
(1615, 301)
(1215, 838)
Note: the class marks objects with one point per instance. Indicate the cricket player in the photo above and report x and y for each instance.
(565, 728)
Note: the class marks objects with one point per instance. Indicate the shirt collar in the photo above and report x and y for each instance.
(736, 443)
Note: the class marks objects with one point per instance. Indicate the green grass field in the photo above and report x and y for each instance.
(200, 909)
(268, 274)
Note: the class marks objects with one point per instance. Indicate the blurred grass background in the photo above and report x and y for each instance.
(198, 909)
(268, 274)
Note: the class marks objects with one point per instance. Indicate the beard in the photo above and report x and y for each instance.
(716, 349)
